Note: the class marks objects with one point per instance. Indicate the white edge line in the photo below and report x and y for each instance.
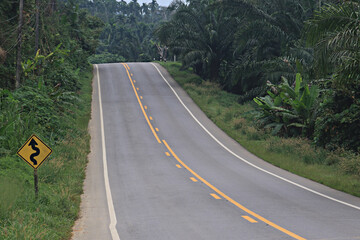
(113, 221)
(249, 163)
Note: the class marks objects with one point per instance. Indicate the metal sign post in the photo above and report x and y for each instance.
(36, 184)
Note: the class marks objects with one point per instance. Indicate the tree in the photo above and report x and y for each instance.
(201, 36)
(335, 34)
(267, 44)
(128, 28)
(239, 43)
(19, 45)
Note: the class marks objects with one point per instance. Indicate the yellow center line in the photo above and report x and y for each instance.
(145, 107)
(193, 179)
(141, 97)
(215, 196)
(157, 129)
(134, 81)
(137, 89)
(249, 219)
(178, 166)
(167, 154)
(231, 200)
(202, 179)
(141, 106)
(151, 118)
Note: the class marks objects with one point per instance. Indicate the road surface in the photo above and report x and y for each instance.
(160, 169)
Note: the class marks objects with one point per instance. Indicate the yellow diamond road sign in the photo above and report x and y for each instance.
(34, 151)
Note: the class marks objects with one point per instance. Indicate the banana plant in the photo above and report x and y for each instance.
(289, 110)
(31, 65)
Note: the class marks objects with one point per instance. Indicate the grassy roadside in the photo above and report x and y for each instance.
(53, 214)
(339, 170)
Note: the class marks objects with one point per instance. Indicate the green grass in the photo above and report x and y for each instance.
(339, 170)
(53, 214)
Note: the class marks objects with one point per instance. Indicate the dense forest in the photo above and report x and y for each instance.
(43, 56)
(299, 59)
(114, 30)
(128, 31)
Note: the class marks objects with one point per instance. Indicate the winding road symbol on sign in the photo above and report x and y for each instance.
(34, 159)
(33, 144)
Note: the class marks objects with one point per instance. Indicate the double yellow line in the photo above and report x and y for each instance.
(140, 103)
(291, 234)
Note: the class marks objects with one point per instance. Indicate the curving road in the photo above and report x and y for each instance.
(160, 169)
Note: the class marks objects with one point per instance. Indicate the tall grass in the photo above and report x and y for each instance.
(337, 169)
(52, 215)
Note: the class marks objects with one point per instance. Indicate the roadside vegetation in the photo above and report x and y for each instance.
(299, 59)
(338, 169)
(52, 215)
(52, 99)
(280, 76)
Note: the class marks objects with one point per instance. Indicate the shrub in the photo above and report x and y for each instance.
(238, 123)
(105, 58)
(143, 57)
(350, 165)
(62, 75)
(14, 123)
(338, 124)
(289, 111)
(251, 94)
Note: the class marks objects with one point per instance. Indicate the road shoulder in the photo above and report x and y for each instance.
(93, 222)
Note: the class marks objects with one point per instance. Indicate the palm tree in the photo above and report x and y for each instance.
(239, 43)
(335, 34)
(267, 44)
(202, 37)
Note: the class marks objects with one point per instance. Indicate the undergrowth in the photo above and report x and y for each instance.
(62, 124)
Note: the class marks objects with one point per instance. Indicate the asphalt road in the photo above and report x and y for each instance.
(160, 169)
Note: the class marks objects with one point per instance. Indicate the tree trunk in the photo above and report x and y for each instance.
(214, 69)
(19, 43)
(51, 8)
(37, 2)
